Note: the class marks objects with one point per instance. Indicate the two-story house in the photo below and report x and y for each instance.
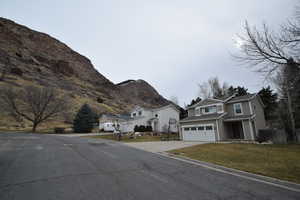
(161, 119)
(234, 117)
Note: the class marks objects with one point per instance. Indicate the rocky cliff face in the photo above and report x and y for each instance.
(34, 58)
(142, 93)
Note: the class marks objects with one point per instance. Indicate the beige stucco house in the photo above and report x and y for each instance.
(235, 117)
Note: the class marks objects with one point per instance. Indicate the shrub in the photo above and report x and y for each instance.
(142, 128)
(149, 128)
(136, 128)
(59, 130)
(264, 135)
(84, 120)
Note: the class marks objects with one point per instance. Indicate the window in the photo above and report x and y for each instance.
(140, 113)
(210, 109)
(186, 129)
(237, 108)
(201, 128)
(133, 114)
(209, 128)
(193, 128)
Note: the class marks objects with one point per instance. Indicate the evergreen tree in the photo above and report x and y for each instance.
(84, 120)
(194, 101)
(239, 91)
(269, 99)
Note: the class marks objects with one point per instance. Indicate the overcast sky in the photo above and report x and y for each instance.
(172, 44)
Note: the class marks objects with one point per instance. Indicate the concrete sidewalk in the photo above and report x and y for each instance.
(162, 146)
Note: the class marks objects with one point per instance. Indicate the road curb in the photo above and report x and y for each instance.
(234, 172)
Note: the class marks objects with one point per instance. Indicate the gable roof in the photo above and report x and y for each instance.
(205, 102)
(169, 105)
(246, 97)
(226, 99)
(209, 101)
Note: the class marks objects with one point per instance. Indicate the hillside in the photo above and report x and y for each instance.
(35, 58)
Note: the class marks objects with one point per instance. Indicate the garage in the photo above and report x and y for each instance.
(201, 132)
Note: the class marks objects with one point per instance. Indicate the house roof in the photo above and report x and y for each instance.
(242, 98)
(169, 105)
(203, 117)
(125, 117)
(225, 99)
(206, 102)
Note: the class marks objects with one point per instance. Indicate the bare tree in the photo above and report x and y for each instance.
(269, 52)
(204, 90)
(34, 104)
(212, 88)
(264, 50)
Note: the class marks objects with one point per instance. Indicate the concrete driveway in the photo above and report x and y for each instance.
(156, 147)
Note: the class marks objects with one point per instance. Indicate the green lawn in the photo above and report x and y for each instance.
(125, 138)
(278, 161)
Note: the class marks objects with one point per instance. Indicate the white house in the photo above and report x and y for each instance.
(161, 119)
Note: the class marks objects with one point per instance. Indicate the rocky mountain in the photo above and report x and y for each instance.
(35, 58)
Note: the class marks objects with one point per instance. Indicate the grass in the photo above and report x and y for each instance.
(126, 138)
(278, 161)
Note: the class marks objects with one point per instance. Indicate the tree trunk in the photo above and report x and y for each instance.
(34, 127)
(291, 115)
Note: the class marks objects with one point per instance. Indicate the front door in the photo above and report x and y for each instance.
(237, 130)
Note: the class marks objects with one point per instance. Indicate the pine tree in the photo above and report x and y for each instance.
(269, 98)
(84, 120)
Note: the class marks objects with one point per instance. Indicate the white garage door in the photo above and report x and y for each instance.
(203, 132)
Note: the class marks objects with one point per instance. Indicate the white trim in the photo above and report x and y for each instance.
(230, 97)
(204, 125)
(209, 105)
(250, 106)
(209, 119)
(225, 113)
(215, 99)
(196, 125)
(243, 127)
(237, 119)
(217, 126)
(251, 127)
(234, 110)
(195, 120)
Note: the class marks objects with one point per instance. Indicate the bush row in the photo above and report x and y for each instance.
(142, 128)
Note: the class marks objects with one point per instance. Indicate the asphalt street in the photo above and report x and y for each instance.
(42, 167)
